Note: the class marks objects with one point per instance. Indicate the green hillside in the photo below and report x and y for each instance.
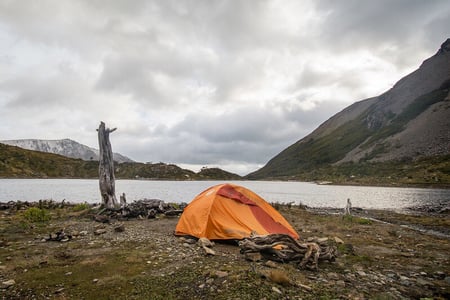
(20, 163)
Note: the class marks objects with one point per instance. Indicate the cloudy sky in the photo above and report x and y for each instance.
(202, 83)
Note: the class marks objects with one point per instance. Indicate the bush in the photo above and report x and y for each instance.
(357, 220)
(81, 206)
(36, 215)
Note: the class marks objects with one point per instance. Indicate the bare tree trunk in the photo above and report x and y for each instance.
(106, 168)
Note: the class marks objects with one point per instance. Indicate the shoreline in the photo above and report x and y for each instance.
(443, 186)
(144, 260)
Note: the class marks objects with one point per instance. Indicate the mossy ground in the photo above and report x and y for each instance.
(377, 260)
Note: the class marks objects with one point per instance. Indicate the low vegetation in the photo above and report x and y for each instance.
(377, 260)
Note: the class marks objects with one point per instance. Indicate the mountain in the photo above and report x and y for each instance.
(407, 125)
(65, 147)
(17, 162)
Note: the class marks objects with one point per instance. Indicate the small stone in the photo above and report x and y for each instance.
(276, 290)
(59, 291)
(221, 274)
(204, 242)
(201, 286)
(338, 240)
(95, 280)
(322, 240)
(68, 273)
(8, 283)
(119, 228)
(361, 273)
(333, 276)
(209, 251)
(271, 264)
(340, 283)
(100, 231)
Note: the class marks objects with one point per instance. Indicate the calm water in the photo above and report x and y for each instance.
(79, 190)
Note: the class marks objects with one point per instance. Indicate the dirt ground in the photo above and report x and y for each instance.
(398, 257)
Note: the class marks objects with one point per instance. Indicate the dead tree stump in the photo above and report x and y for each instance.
(106, 168)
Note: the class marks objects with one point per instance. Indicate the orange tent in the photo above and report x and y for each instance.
(229, 211)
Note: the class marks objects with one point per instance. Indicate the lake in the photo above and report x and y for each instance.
(310, 194)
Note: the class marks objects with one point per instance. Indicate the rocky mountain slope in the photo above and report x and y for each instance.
(409, 122)
(64, 147)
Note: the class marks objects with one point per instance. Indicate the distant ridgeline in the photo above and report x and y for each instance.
(399, 137)
(16, 162)
(65, 147)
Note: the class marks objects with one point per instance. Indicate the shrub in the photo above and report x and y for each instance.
(36, 215)
(81, 206)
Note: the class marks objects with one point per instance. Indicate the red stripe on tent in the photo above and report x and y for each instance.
(269, 224)
(228, 191)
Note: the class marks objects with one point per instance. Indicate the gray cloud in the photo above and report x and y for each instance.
(220, 83)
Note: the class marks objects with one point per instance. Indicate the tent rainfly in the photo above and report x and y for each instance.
(228, 212)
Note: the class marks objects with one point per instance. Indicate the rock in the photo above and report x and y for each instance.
(361, 273)
(338, 240)
(95, 280)
(276, 290)
(271, 264)
(209, 251)
(333, 276)
(119, 228)
(101, 218)
(321, 240)
(100, 231)
(439, 275)
(220, 274)
(6, 284)
(204, 242)
(340, 283)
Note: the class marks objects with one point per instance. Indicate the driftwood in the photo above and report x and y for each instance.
(106, 167)
(60, 236)
(144, 208)
(284, 248)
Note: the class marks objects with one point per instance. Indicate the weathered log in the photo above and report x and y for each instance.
(106, 167)
(284, 248)
(145, 208)
(174, 212)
